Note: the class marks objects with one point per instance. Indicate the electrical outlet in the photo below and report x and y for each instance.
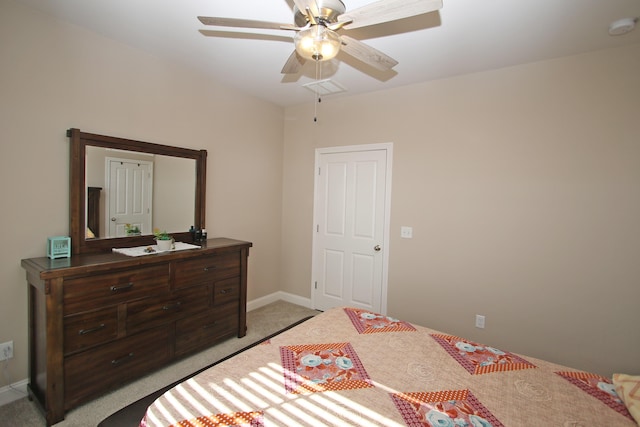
(479, 321)
(6, 350)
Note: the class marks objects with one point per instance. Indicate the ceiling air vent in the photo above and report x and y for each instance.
(324, 87)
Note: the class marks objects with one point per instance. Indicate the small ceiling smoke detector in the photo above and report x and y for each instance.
(324, 87)
(622, 26)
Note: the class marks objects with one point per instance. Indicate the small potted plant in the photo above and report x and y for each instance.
(131, 230)
(163, 240)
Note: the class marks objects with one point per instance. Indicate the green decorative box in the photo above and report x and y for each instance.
(59, 247)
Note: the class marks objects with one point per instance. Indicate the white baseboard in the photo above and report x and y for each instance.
(277, 296)
(13, 392)
(19, 390)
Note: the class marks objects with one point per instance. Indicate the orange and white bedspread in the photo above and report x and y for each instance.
(350, 367)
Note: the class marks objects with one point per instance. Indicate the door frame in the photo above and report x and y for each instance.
(388, 148)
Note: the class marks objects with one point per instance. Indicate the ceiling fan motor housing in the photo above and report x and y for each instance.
(326, 11)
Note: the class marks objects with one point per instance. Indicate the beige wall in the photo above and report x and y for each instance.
(522, 188)
(55, 76)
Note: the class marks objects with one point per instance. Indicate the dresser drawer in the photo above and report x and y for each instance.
(225, 291)
(95, 371)
(86, 293)
(201, 330)
(206, 269)
(150, 312)
(90, 328)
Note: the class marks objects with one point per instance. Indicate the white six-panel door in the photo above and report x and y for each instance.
(351, 227)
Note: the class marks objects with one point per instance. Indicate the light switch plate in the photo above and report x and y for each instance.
(406, 232)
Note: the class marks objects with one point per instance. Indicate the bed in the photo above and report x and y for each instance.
(351, 367)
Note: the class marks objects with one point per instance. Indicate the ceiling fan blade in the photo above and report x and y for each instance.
(241, 35)
(367, 54)
(388, 10)
(294, 64)
(245, 23)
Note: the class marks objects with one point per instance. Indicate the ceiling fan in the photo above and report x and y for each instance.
(317, 22)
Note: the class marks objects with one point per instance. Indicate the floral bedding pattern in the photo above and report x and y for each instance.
(352, 367)
(236, 419)
(455, 408)
(599, 387)
(480, 359)
(322, 367)
(367, 322)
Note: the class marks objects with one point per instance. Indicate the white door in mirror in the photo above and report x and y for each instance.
(129, 189)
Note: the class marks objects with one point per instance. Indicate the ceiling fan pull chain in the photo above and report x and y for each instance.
(317, 99)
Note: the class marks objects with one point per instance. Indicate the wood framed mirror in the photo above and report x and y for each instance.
(86, 211)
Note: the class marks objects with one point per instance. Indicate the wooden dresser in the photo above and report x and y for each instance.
(97, 321)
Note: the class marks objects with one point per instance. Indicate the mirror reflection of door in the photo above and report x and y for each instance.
(172, 188)
(129, 195)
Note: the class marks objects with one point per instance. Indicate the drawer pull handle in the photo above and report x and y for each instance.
(224, 291)
(122, 288)
(172, 306)
(116, 362)
(88, 331)
(213, 267)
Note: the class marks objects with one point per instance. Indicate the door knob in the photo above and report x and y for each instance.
(113, 219)
(377, 248)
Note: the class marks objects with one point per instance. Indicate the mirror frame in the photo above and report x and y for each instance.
(77, 189)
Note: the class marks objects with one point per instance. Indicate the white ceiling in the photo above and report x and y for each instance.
(465, 36)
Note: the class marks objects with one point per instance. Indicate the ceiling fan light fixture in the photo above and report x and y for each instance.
(317, 43)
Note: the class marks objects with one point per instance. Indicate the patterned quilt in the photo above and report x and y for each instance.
(351, 367)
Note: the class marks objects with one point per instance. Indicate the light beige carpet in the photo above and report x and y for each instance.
(261, 322)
